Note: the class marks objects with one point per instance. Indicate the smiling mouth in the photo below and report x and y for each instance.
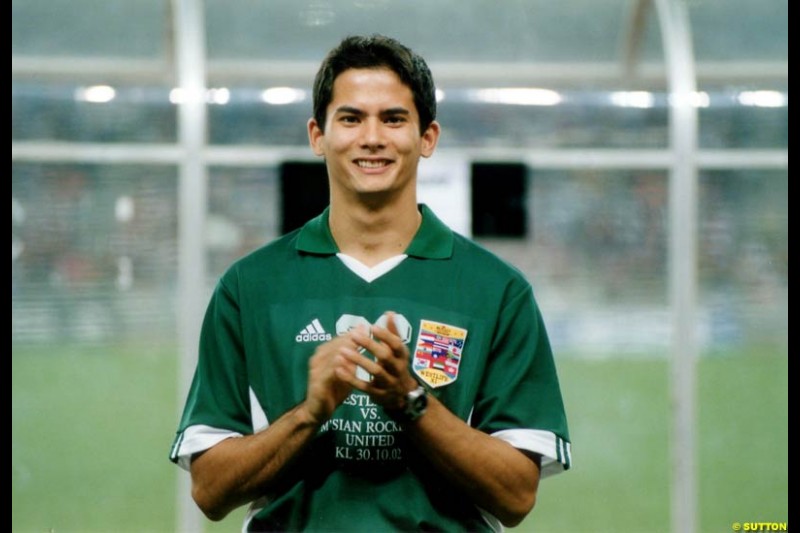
(372, 163)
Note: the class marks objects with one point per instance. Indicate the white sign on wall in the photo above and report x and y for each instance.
(443, 184)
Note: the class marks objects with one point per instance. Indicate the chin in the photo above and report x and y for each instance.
(374, 185)
(376, 196)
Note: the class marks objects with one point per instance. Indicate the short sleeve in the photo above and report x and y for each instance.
(218, 402)
(520, 399)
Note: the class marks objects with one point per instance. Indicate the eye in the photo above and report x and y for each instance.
(348, 119)
(395, 119)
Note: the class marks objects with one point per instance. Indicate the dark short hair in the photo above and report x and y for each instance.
(376, 51)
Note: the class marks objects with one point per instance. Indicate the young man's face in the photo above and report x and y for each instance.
(371, 143)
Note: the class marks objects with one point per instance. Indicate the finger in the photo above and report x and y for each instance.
(328, 350)
(364, 362)
(352, 380)
(390, 323)
(367, 342)
(377, 394)
(342, 361)
(390, 338)
(383, 376)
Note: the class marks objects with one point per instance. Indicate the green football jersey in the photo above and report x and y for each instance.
(476, 339)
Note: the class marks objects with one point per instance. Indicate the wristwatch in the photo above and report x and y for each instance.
(416, 403)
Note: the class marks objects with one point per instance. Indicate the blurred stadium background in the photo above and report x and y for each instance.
(154, 142)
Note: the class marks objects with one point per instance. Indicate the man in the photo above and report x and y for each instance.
(372, 371)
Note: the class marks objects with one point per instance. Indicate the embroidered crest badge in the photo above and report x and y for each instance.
(438, 353)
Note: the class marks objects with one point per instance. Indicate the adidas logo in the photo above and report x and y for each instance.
(314, 332)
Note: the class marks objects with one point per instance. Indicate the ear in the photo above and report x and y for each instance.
(315, 137)
(429, 139)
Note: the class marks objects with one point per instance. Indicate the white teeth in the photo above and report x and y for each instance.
(370, 164)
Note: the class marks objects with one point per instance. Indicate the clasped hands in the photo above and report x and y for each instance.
(332, 373)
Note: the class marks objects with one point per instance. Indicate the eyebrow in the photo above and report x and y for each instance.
(395, 111)
(346, 109)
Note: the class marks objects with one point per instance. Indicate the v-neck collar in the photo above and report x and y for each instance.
(433, 240)
(370, 273)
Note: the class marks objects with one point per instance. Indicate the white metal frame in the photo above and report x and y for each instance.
(683, 131)
(189, 31)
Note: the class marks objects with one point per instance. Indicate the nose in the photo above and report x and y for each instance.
(372, 134)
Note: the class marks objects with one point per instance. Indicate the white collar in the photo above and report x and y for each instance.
(367, 273)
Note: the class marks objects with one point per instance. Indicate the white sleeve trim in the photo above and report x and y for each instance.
(492, 520)
(199, 437)
(196, 439)
(556, 452)
(257, 415)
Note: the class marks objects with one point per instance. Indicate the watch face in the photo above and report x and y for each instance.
(417, 402)
(421, 402)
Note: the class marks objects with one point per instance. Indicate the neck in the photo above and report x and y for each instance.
(374, 233)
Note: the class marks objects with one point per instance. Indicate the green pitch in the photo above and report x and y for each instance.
(91, 430)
